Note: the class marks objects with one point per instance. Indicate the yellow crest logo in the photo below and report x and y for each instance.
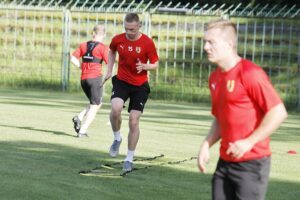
(230, 85)
(138, 49)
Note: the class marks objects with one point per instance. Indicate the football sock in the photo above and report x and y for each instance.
(130, 155)
(83, 113)
(117, 135)
(90, 116)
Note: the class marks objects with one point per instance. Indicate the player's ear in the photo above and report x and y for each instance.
(230, 43)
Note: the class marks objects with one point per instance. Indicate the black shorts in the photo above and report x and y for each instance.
(93, 90)
(138, 94)
(241, 181)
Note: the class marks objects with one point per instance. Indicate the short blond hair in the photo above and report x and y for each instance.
(132, 17)
(226, 26)
(99, 29)
(221, 24)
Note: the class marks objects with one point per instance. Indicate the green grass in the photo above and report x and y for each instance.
(41, 158)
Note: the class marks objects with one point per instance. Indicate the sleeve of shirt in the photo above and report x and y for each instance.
(152, 53)
(261, 90)
(78, 52)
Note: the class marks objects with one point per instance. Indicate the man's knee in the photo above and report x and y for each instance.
(134, 118)
(133, 122)
(115, 113)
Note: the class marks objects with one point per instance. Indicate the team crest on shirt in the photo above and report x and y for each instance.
(230, 85)
(138, 49)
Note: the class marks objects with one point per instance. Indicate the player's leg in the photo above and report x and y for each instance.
(90, 116)
(82, 114)
(138, 99)
(115, 114)
(95, 91)
(222, 187)
(77, 120)
(134, 131)
(251, 178)
(118, 98)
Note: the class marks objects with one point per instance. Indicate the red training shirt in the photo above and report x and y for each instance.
(240, 99)
(130, 52)
(90, 69)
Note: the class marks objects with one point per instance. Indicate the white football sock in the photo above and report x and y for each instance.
(129, 156)
(83, 113)
(90, 116)
(117, 135)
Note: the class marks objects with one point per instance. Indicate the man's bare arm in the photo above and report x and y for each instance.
(212, 137)
(271, 121)
(110, 65)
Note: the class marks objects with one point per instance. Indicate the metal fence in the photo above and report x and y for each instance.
(36, 40)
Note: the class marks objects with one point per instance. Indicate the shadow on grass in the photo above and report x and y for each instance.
(41, 170)
(36, 129)
(50, 171)
(32, 170)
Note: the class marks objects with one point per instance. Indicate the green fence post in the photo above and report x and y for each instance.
(65, 68)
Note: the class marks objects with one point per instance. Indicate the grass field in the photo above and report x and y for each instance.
(41, 157)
